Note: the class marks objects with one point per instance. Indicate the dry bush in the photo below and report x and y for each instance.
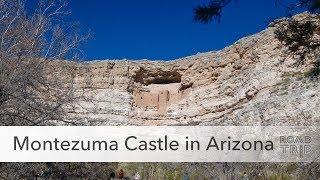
(31, 92)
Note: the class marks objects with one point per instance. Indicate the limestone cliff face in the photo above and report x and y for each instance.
(252, 82)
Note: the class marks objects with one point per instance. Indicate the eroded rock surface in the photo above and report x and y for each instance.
(252, 82)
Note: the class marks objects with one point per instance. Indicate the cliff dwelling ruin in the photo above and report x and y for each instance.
(158, 92)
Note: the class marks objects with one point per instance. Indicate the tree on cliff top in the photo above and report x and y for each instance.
(31, 91)
(297, 36)
(213, 10)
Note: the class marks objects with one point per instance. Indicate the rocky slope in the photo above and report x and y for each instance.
(252, 82)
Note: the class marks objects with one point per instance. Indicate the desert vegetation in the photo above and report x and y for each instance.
(31, 39)
(35, 88)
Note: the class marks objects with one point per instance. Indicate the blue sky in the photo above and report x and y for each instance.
(164, 30)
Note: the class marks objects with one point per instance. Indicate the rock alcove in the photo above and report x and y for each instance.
(159, 90)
